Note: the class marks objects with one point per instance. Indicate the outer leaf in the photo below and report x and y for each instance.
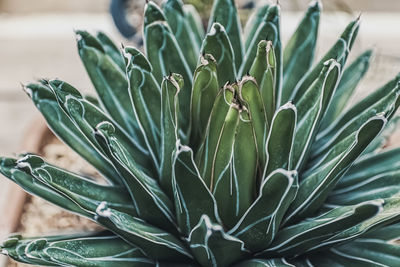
(150, 202)
(209, 244)
(279, 143)
(389, 213)
(96, 250)
(349, 81)
(84, 192)
(368, 253)
(383, 101)
(217, 44)
(86, 117)
(9, 168)
(339, 52)
(15, 246)
(264, 263)
(145, 98)
(388, 233)
(260, 223)
(383, 138)
(205, 89)
(109, 81)
(375, 176)
(166, 57)
(317, 184)
(304, 236)
(170, 87)
(310, 109)
(385, 185)
(299, 51)
(154, 242)
(371, 165)
(225, 12)
(180, 26)
(192, 197)
(111, 49)
(64, 129)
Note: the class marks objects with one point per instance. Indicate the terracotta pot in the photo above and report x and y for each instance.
(35, 138)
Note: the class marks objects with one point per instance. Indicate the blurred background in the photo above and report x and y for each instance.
(37, 41)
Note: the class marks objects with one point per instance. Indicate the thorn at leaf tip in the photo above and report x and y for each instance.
(359, 16)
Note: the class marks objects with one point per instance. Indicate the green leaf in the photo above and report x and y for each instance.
(309, 234)
(264, 263)
(64, 129)
(387, 233)
(195, 23)
(84, 192)
(300, 49)
(14, 246)
(225, 13)
(154, 242)
(267, 30)
(166, 57)
(145, 96)
(86, 117)
(316, 184)
(252, 100)
(268, 85)
(109, 81)
(205, 89)
(339, 51)
(260, 223)
(180, 26)
(206, 155)
(310, 109)
(375, 176)
(209, 244)
(349, 81)
(387, 214)
(170, 87)
(384, 100)
(380, 186)
(97, 249)
(111, 49)
(150, 202)
(235, 184)
(260, 63)
(362, 252)
(217, 44)
(383, 138)
(10, 169)
(279, 143)
(191, 195)
(252, 23)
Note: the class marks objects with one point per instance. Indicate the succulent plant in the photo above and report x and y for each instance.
(221, 149)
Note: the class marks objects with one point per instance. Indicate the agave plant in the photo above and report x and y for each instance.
(219, 149)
